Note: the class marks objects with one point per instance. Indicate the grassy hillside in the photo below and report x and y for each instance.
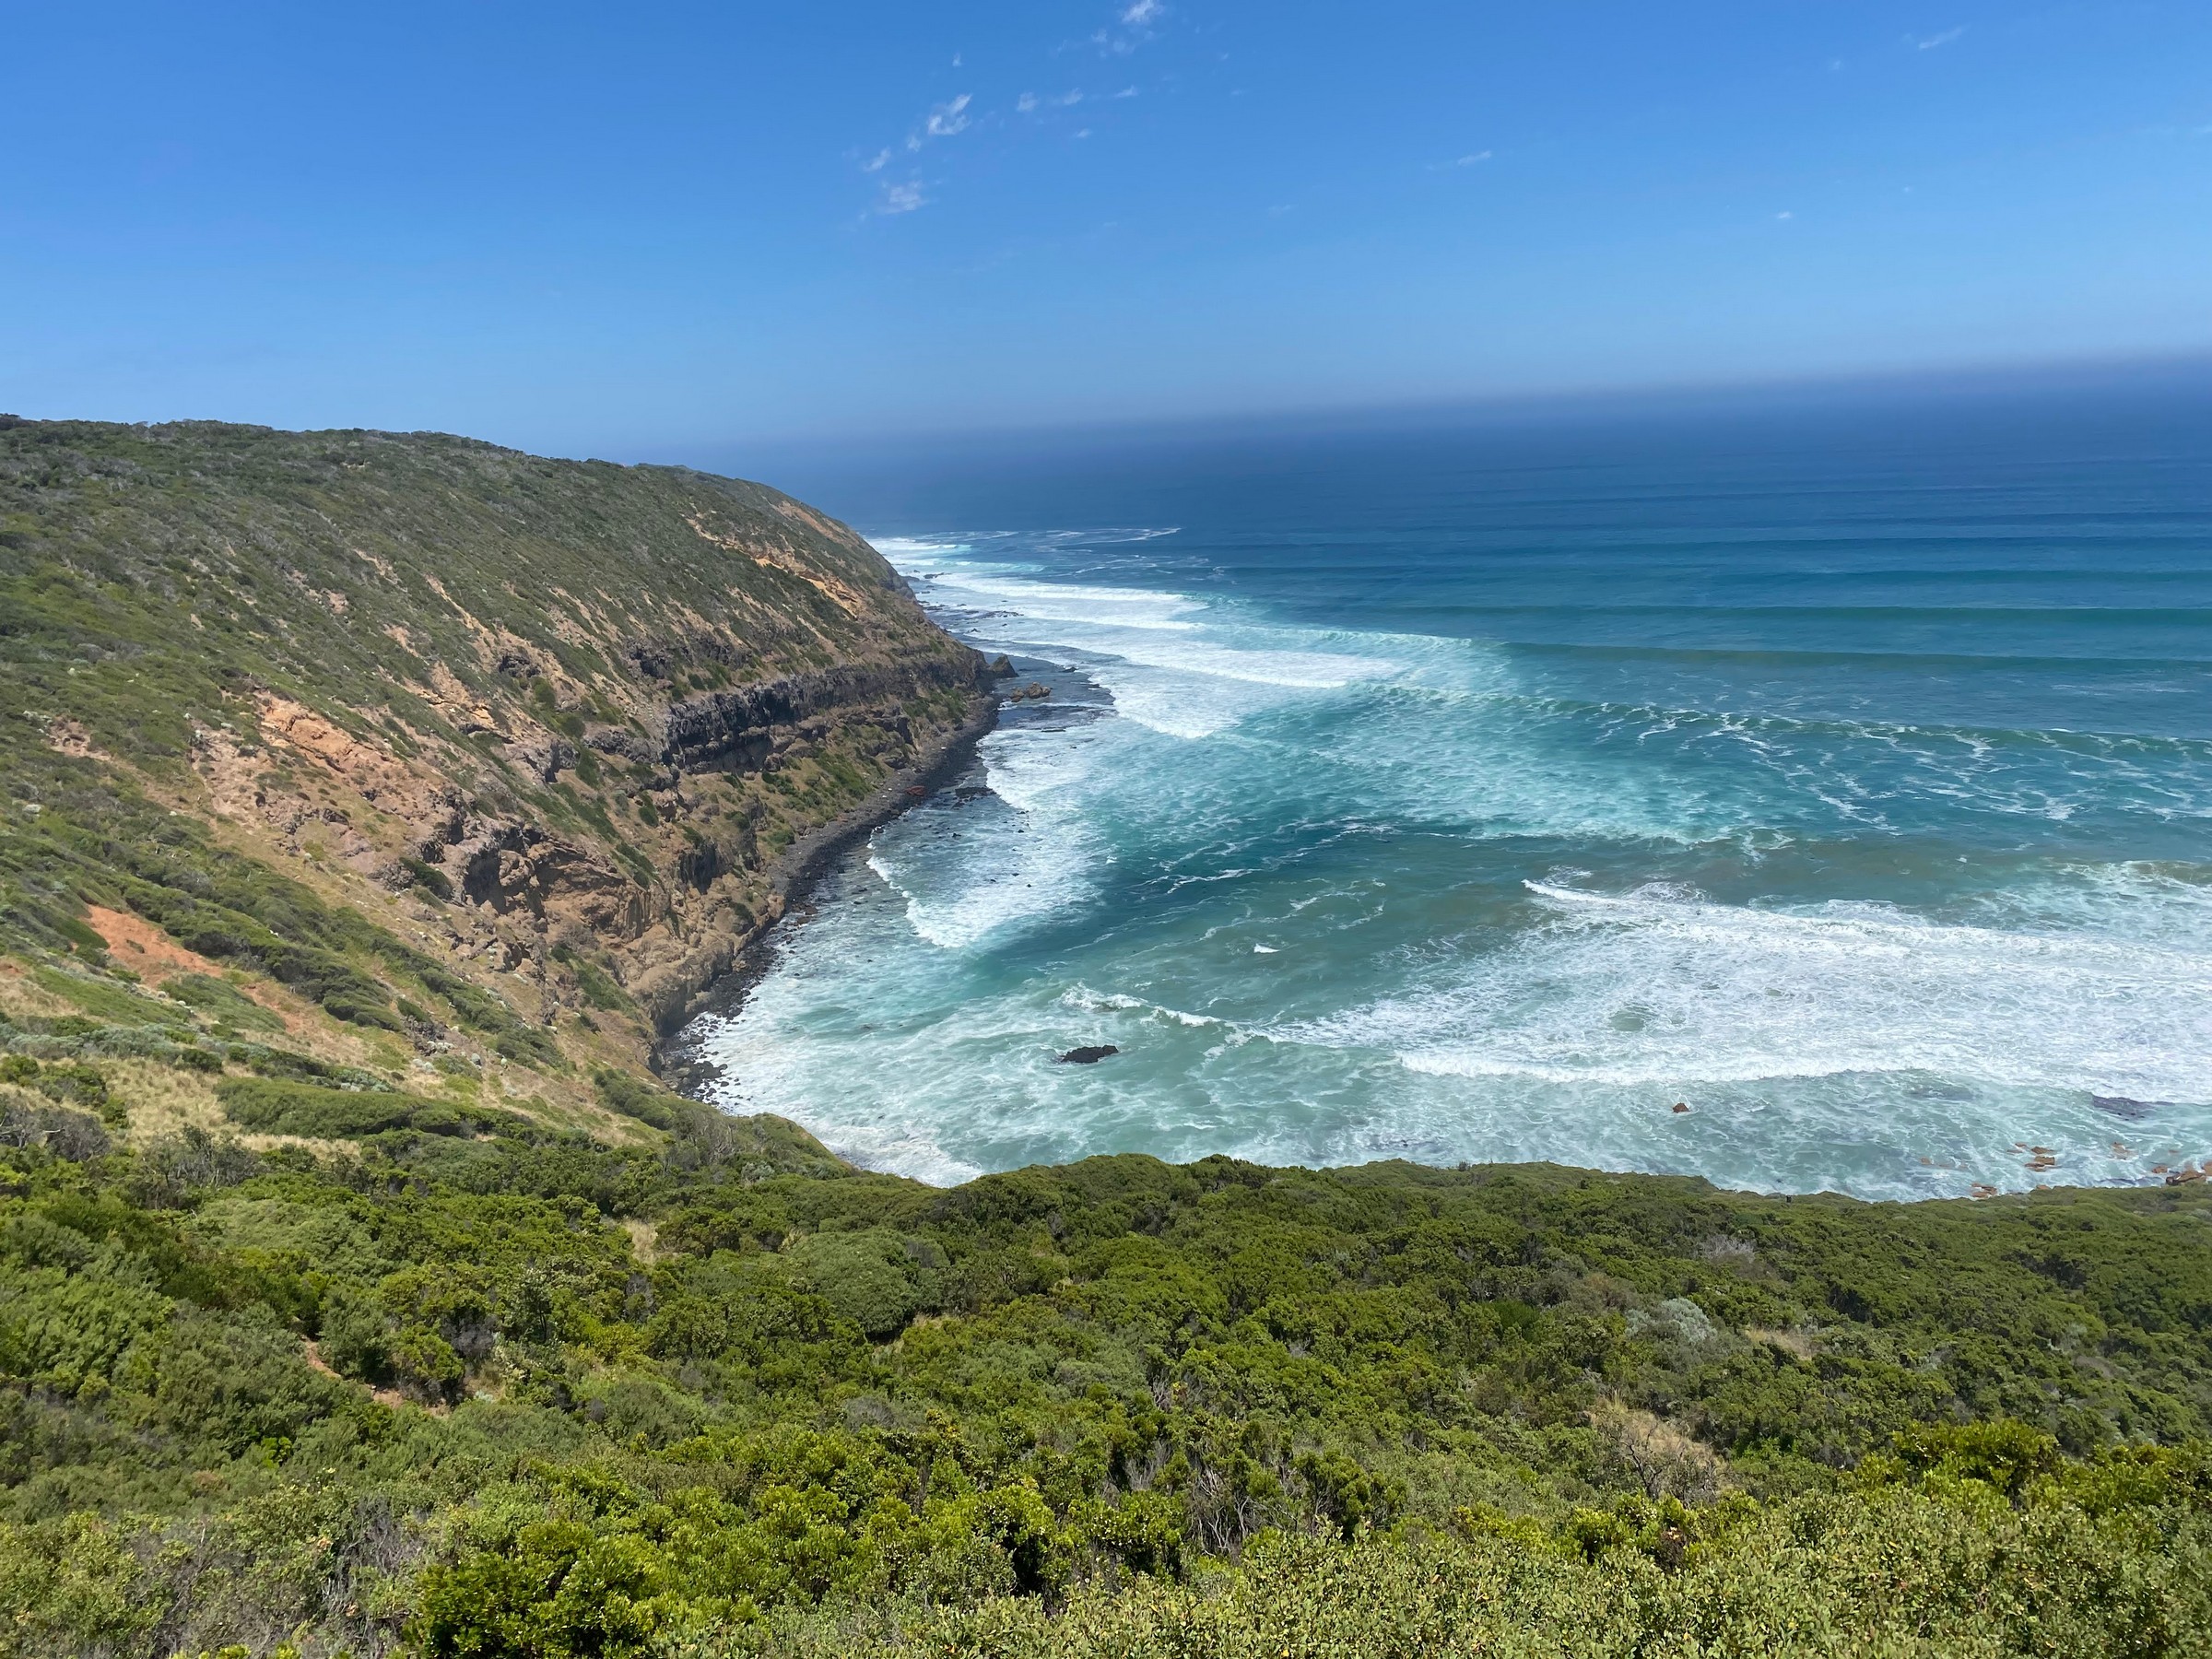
(366, 805)
(422, 762)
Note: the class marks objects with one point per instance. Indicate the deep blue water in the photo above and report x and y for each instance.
(1483, 792)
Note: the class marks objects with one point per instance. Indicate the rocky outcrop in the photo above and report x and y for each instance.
(675, 976)
(739, 730)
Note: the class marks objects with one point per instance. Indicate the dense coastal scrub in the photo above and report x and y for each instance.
(488, 1389)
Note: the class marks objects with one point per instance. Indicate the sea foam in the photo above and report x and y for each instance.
(1885, 905)
(1662, 987)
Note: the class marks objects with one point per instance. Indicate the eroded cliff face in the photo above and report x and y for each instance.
(717, 787)
(550, 723)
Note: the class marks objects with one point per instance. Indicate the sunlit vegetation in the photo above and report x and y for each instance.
(447, 1378)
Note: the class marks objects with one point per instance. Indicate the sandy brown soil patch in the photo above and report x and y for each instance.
(383, 1396)
(64, 737)
(375, 775)
(841, 594)
(143, 949)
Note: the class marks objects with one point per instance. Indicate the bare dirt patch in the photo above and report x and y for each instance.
(383, 1396)
(64, 737)
(145, 950)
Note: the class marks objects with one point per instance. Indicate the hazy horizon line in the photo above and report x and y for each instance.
(1969, 379)
(1535, 406)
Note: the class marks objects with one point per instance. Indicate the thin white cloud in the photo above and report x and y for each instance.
(1929, 42)
(1785, 214)
(949, 118)
(1028, 103)
(1137, 16)
(1471, 160)
(1126, 92)
(943, 120)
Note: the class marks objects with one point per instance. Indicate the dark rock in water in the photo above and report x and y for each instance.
(1087, 1056)
(2120, 1106)
(1941, 1091)
(1036, 688)
(998, 668)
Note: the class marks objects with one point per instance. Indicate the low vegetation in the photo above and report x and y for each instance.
(464, 1385)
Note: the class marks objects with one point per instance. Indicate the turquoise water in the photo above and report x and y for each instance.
(1845, 777)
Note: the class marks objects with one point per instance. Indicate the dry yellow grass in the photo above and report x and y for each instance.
(1669, 1462)
(1790, 1342)
(19, 996)
(160, 1101)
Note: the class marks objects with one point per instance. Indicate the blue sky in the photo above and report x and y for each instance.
(655, 229)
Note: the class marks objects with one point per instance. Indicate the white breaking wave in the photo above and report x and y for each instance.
(1063, 602)
(966, 875)
(1660, 987)
(1085, 998)
(1180, 666)
(1434, 1006)
(897, 549)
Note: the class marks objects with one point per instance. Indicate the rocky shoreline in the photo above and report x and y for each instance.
(792, 876)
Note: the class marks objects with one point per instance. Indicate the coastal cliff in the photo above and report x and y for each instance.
(367, 803)
(451, 760)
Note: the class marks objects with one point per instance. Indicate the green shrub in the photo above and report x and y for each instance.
(874, 1278)
(425, 1364)
(354, 1339)
(635, 1097)
(271, 1106)
(224, 1001)
(430, 877)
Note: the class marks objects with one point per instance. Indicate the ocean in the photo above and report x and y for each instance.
(1805, 795)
